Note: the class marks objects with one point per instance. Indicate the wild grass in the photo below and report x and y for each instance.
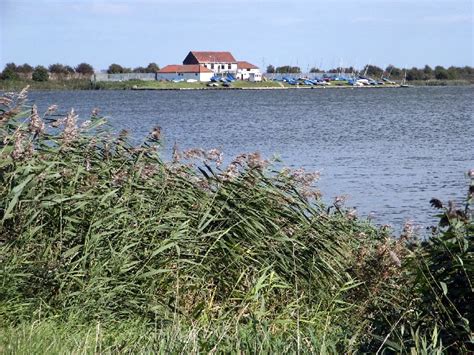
(62, 84)
(106, 247)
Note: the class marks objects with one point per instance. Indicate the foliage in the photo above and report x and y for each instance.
(58, 69)
(102, 237)
(24, 69)
(373, 70)
(445, 274)
(139, 70)
(441, 73)
(270, 69)
(414, 74)
(288, 69)
(117, 69)
(65, 83)
(68, 69)
(84, 69)
(152, 68)
(40, 73)
(9, 72)
(393, 72)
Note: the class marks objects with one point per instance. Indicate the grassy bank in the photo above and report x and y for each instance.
(441, 83)
(85, 84)
(104, 246)
(71, 84)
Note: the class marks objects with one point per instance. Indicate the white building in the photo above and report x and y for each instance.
(185, 72)
(202, 66)
(219, 62)
(248, 71)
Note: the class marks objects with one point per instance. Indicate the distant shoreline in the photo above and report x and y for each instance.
(299, 87)
(135, 85)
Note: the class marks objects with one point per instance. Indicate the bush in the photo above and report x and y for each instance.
(40, 73)
(152, 68)
(84, 69)
(9, 72)
(445, 275)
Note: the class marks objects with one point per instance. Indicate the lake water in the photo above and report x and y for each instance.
(389, 150)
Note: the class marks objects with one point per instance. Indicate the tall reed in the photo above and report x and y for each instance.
(98, 230)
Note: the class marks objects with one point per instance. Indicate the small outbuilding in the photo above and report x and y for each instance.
(248, 71)
(185, 72)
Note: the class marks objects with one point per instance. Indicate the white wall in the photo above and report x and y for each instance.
(204, 77)
(217, 67)
(256, 76)
(244, 74)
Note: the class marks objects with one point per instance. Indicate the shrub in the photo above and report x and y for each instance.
(40, 73)
(9, 72)
(84, 69)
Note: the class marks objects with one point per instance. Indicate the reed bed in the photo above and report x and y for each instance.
(106, 247)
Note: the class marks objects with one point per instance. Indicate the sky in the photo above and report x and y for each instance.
(306, 33)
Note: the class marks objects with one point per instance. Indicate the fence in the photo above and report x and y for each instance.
(124, 77)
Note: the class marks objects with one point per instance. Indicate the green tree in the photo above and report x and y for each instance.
(24, 69)
(373, 70)
(152, 68)
(115, 69)
(85, 69)
(441, 73)
(40, 73)
(414, 74)
(393, 72)
(118, 69)
(315, 70)
(10, 72)
(428, 72)
(140, 70)
(69, 70)
(453, 73)
(270, 69)
(288, 69)
(57, 69)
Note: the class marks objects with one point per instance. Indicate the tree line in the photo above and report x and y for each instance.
(56, 71)
(426, 73)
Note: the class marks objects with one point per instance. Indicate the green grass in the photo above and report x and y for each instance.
(71, 84)
(106, 247)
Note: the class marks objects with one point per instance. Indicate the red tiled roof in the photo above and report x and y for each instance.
(245, 65)
(214, 57)
(176, 68)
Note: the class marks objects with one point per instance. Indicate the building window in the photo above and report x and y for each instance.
(222, 66)
(195, 74)
(248, 69)
(212, 66)
(229, 66)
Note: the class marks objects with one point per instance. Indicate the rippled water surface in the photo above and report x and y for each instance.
(389, 150)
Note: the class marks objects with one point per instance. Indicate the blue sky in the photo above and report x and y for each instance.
(322, 33)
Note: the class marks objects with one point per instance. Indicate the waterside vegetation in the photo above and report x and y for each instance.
(63, 77)
(107, 247)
